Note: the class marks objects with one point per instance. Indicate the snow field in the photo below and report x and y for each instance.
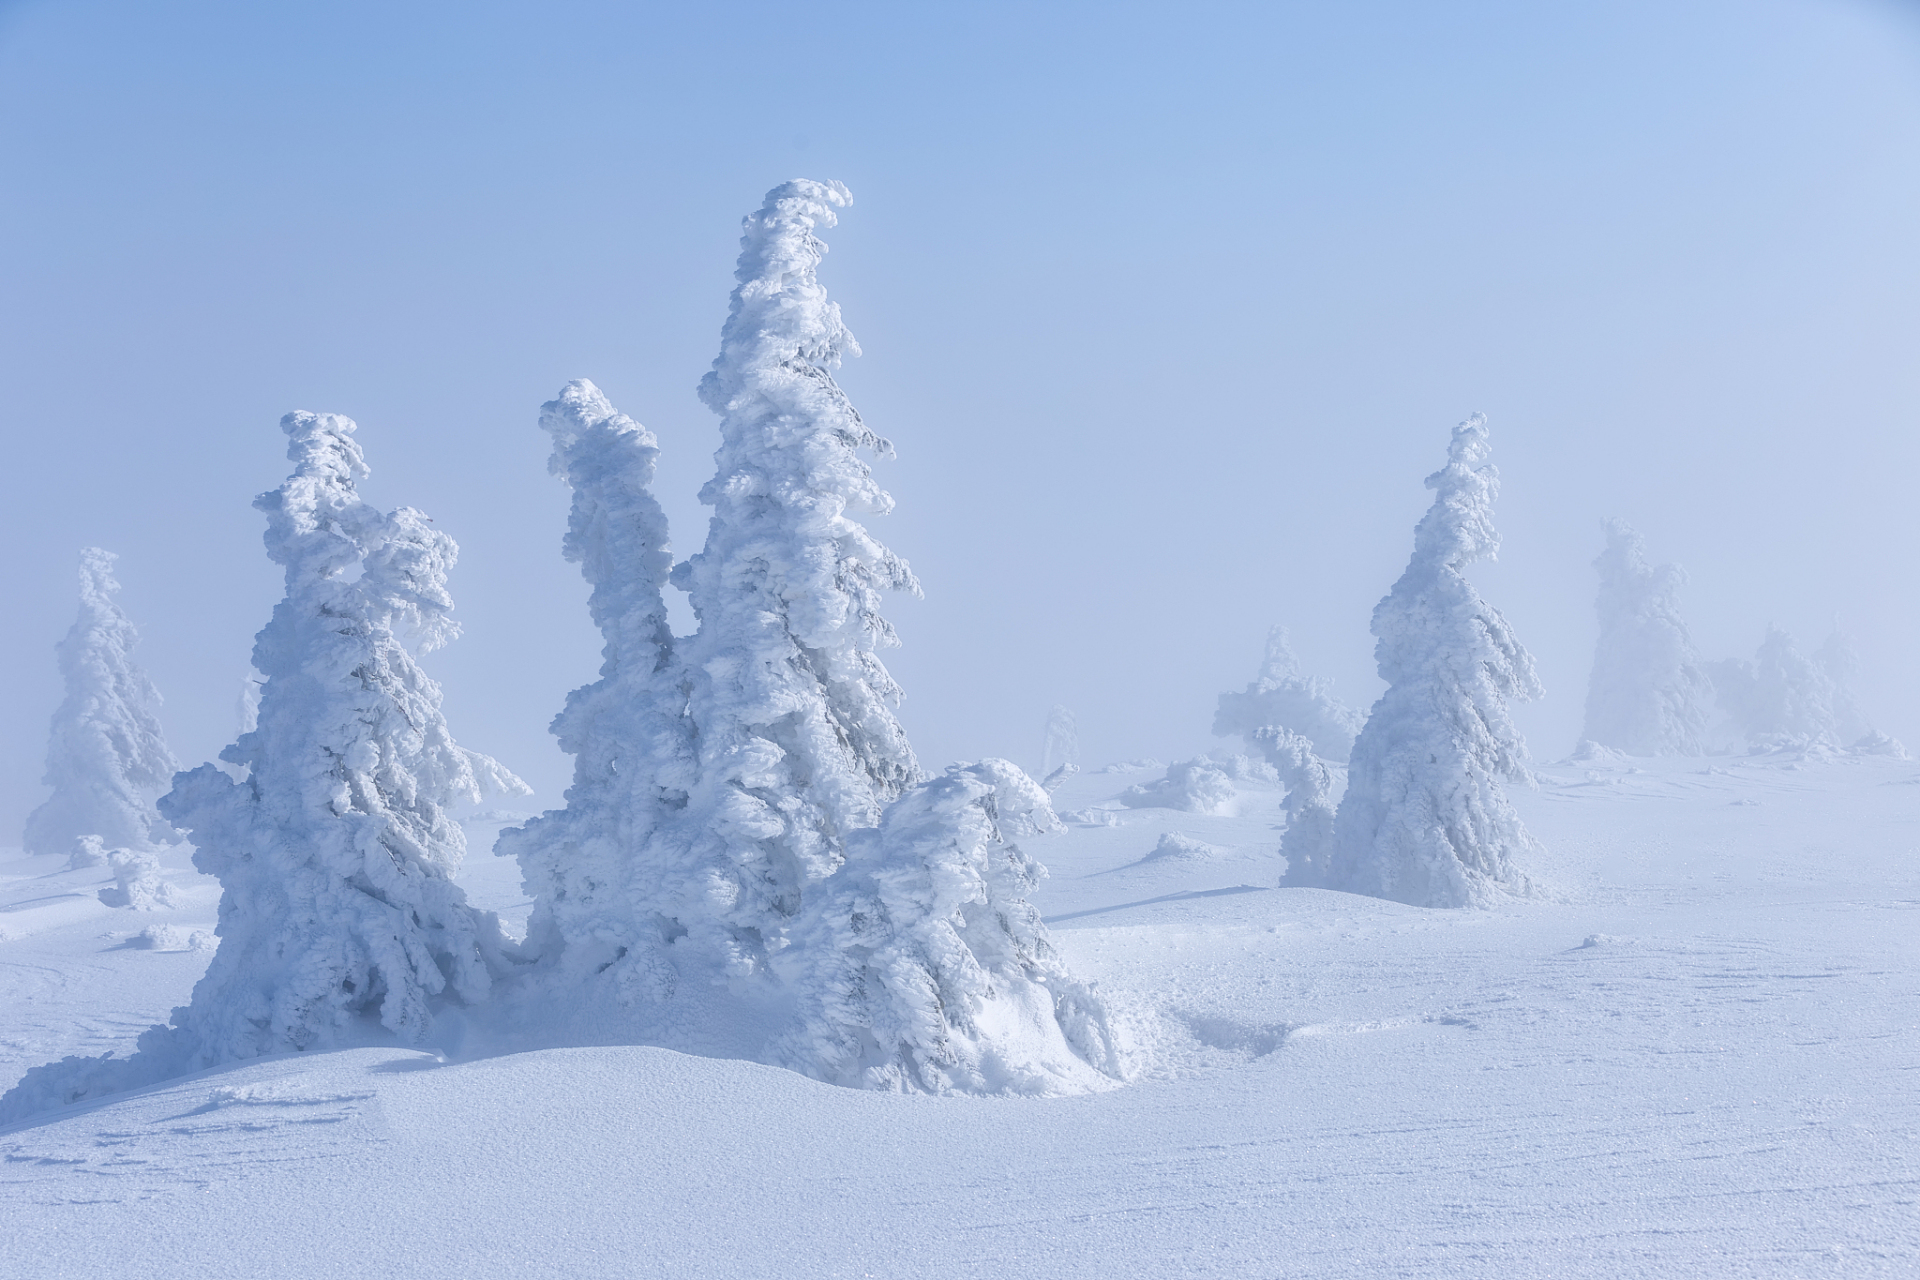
(1691, 1060)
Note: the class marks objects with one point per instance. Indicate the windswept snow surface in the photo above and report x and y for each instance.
(1698, 1058)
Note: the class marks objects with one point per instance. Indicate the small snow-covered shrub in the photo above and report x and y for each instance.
(1425, 819)
(1308, 841)
(138, 884)
(1194, 786)
(1177, 846)
(1245, 768)
(921, 966)
(1879, 744)
(107, 760)
(88, 851)
(167, 937)
(1282, 697)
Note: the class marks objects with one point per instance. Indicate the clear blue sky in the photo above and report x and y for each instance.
(1167, 308)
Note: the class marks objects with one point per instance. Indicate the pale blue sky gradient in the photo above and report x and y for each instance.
(1168, 309)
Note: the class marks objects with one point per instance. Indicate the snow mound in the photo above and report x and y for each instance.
(1193, 786)
(167, 937)
(1591, 752)
(1178, 847)
(138, 884)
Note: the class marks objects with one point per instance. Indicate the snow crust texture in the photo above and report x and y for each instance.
(1425, 819)
(107, 759)
(336, 855)
(1648, 694)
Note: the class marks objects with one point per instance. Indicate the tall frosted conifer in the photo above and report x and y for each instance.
(107, 760)
(1648, 695)
(596, 867)
(1425, 819)
(335, 854)
(792, 709)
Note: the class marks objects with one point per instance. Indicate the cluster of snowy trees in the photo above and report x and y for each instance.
(750, 859)
(1651, 695)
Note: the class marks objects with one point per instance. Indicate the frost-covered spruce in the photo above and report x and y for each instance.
(1425, 819)
(1308, 842)
(793, 711)
(921, 966)
(1782, 698)
(1284, 698)
(1841, 664)
(107, 760)
(336, 855)
(1648, 695)
(1060, 757)
(594, 869)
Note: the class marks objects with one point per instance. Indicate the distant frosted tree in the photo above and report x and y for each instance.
(1425, 819)
(1308, 842)
(1648, 695)
(107, 760)
(922, 967)
(1060, 759)
(596, 869)
(1781, 697)
(1284, 698)
(1841, 665)
(792, 709)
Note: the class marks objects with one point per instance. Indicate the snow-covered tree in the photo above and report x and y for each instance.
(107, 760)
(1307, 843)
(336, 855)
(1284, 698)
(1060, 758)
(1781, 697)
(792, 710)
(1841, 665)
(1648, 695)
(595, 869)
(1425, 819)
(921, 967)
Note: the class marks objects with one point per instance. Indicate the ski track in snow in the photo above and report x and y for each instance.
(1700, 1057)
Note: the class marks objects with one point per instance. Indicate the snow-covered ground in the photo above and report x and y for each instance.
(1701, 1058)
